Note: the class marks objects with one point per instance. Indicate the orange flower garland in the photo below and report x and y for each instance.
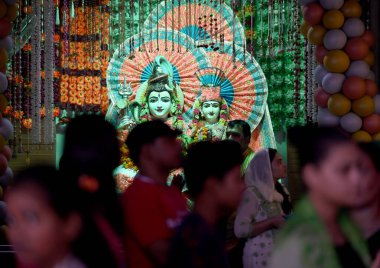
(87, 61)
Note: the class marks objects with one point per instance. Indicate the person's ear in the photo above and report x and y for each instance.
(310, 175)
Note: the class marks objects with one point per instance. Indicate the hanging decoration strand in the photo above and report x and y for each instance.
(252, 44)
(36, 73)
(49, 71)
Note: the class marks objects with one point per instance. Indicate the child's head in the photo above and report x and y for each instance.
(213, 168)
(42, 218)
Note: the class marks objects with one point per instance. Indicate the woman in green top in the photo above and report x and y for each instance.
(320, 233)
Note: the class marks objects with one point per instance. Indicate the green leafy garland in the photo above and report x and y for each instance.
(279, 68)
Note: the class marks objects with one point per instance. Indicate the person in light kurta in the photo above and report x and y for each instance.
(260, 213)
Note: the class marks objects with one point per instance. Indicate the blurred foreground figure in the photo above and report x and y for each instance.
(320, 233)
(212, 173)
(368, 216)
(46, 228)
(90, 154)
(152, 209)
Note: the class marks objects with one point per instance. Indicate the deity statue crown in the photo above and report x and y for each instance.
(210, 93)
(159, 82)
(211, 80)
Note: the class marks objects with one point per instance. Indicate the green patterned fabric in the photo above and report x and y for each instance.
(305, 242)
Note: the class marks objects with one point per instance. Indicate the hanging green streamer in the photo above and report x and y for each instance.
(57, 21)
(72, 12)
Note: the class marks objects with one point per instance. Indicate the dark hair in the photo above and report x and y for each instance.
(372, 149)
(146, 133)
(209, 159)
(94, 137)
(91, 148)
(272, 154)
(90, 246)
(314, 144)
(243, 124)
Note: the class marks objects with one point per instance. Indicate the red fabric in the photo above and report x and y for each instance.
(152, 212)
(114, 242)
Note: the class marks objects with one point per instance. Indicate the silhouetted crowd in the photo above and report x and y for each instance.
(225, 205)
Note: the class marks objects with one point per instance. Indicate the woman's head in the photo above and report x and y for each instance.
(331, 166)
(277, 163)
(259, 175)
(370, 169)
(42, 216)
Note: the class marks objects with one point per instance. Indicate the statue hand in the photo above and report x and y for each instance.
(127, 122)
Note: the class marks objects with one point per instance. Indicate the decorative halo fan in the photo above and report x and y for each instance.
(205, 21)
(245, 88)
(132, 64)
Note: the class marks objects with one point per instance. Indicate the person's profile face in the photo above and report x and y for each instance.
(236, 134)
(337, 178)
(167, 152)
(231, 188)
(278, 167)
(35, 230)
(370, 182)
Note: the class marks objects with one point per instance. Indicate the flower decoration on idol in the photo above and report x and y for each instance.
(348, 96)
(210, 110)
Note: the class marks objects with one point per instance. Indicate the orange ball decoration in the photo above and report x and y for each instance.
(7, 152)
(3, 8)
(11, 14)
(376, 137)
(315, 34)
(354, 87)
(362, 136)
(371, 124)
(370, 58)
(313, 13)
(321, 97)
(320, 53)
(3, 164)
(3, 57)
(333, 19)
(357, 48)
(3, 103)
(339, 105)
(364, 106)
(369, 37)
(351, 9)
(336, 61)
(304, 28)
(5, 27)
(371, 88)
